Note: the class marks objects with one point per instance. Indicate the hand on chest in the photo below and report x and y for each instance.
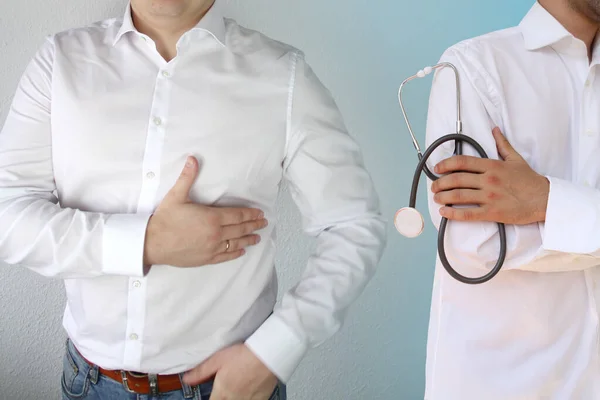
(546, 123)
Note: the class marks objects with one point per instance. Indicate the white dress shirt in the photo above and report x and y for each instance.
(531, 332)
(99, 131)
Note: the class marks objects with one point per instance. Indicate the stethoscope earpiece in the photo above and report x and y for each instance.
(409, 222)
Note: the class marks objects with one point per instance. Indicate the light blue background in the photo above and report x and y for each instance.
(361, 50)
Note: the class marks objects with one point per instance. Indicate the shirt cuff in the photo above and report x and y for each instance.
(123, 244)
(572, 218)
(278, 347)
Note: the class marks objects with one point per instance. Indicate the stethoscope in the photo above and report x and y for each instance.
(408, 221)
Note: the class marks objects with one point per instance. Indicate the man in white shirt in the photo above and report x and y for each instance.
(532, 331)
(168, 285)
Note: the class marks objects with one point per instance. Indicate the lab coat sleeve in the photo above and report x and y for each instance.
(35, 231)
(328, 181)
(474, 246)
(572, 219)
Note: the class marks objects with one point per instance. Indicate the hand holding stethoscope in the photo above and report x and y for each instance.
(408, 221)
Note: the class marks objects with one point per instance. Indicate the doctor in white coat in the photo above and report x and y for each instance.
(531, 97)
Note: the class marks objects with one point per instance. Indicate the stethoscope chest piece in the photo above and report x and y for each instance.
(409, 222)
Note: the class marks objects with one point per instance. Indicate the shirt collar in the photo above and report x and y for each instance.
(540, 29)
(213, 22)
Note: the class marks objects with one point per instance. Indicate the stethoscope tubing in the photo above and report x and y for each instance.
(459, 138)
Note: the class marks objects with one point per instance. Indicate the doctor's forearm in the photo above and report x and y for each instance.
(572, 220)
(475, 246)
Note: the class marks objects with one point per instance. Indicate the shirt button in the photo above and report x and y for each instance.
(587, 83)
(166, 74)
(133, 336)
(137, 284)
(589, 132)
(157, 121)
(150, 175)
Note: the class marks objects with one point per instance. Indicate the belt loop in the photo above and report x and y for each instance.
(188, 393)
(94, 372)
(153, 381)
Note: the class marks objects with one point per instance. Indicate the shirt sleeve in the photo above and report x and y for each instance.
(34, 230)
(340, 208)
(475, 246)
(572, 219)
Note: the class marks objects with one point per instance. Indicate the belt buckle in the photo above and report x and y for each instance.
(125, 382)
(152, 382)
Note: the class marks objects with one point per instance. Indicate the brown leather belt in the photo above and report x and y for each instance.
(141, 383)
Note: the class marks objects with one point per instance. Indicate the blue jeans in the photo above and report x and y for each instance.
(80, 381)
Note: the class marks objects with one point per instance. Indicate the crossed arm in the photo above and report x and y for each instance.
(552, 225)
